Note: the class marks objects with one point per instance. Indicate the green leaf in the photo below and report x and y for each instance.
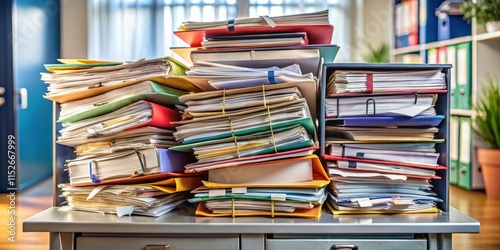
(487, 109)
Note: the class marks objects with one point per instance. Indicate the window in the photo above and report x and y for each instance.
(133, 29)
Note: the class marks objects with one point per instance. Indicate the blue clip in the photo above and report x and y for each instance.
(352, 164)
(92, 176)
(360, 154)
(271, 77)
(230, 25)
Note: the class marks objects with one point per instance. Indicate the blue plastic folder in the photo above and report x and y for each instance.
(382, 121)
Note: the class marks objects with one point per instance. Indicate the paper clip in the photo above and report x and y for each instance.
(367, 103)
(234, 137)
(230, 25)
(100, 104)
(271, 77)
(97, 85)
(92, 176)
(416, 98)
(271, 128)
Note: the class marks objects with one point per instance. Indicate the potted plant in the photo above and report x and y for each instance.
(485, 11)
(487, 129)
(379, 54)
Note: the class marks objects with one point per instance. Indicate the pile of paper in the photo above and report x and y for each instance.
(253, 130)
(118, 119)
(357, 81)
(381, 151)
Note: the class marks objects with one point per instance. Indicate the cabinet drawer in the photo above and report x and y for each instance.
(140, 243)
(334, 244)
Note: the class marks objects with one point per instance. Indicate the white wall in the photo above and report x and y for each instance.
(373, 25)
(74, 34)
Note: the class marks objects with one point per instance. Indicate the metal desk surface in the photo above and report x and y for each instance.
(182, 221)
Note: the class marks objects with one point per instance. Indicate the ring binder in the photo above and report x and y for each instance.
(141, 161)
(367, 103)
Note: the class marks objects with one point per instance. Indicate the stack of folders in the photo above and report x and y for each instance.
(381, 139)
(256, 144)
(254, 51)
(121, 130)
(253, 130)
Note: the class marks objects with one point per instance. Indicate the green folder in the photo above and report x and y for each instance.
(465, 166)
(464, 76)
(162, 95)
(307, 123)
(454, 148)
(451, 58)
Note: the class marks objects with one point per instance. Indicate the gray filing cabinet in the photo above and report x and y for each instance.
(181, 229)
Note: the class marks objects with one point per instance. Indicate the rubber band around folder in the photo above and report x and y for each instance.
(234, 137)
(271, 128)
(272, 209)
(224, 102)
(271, 77)
(264, 95)
(233, 210)
(92, 176)
(369, 83)
(230, 25)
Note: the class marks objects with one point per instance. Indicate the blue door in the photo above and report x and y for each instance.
(33, 41)
(7, 114)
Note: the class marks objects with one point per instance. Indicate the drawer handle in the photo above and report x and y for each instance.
(157, 247)
(463, 170)
(344, 247)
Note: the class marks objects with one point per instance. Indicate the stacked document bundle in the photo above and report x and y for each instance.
(253, 129)
(381, 139)
(118, 119)
(256, 144)
(254, 51)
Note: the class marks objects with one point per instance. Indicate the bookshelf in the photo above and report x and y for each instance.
(483, 54)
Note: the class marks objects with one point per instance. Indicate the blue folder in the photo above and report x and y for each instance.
(382, 121)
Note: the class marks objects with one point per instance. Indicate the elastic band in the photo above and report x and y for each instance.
(271, 128)
(230, 25)
(92, 176)
(264, 95)
(233, 209)
(369, 83)
(139, 154)
(343, 151)
(234, 137)
(272, 209)
(271, 77)
(224, 102)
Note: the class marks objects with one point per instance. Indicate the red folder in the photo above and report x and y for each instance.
(316, 33)
(161, 117)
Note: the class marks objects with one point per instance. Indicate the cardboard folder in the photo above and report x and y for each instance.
(313, 213)
(320, 177)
